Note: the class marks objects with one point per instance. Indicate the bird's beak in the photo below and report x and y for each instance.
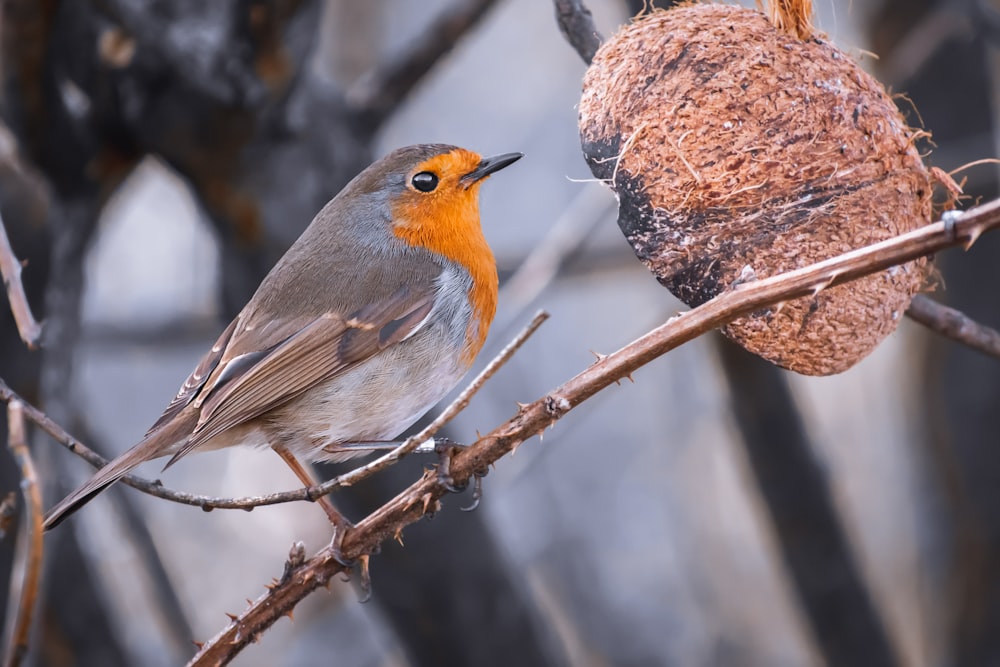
(489, 165)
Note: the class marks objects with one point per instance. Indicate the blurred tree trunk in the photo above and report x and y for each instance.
(817, 554)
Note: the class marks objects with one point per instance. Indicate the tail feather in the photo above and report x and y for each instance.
(154, 445)
(104, 478)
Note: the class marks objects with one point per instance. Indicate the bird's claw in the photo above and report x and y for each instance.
(477, 493)
(350, 564)
(364, 579)
(445, 449)
(337, 543)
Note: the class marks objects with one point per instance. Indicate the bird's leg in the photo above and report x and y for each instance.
(340, 523)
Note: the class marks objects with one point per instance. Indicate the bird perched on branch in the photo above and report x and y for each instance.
(367, 321)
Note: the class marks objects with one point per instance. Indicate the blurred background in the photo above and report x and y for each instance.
(157, 158)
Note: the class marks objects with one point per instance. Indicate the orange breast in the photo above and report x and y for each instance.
(446, 222)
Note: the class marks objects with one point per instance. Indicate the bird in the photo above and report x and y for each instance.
(369, 319)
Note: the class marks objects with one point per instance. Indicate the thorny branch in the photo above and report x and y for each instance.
(301, 577)
(18, 443)
(10, 267)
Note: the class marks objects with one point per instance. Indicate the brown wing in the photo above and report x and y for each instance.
(251, 383)
(193, 384)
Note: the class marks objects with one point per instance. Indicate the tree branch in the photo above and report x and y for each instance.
(301, 576)
(577, 26)
(10, 268)
(954, 324)
(18, 443)
(377, 94)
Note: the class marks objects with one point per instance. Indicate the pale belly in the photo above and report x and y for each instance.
(377, 400)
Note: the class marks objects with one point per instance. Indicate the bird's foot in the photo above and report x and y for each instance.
(446, 450)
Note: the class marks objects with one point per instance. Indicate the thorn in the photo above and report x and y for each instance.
(598, 356)
(521, 406)
(630, 378)
(232, 617)
(398, 536)
(515, 447)
(197, 644)
(249, 602)
(427, 498)
(819, 287)
(974, 235)
(291, 615)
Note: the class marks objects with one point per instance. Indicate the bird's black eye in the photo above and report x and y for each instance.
(425, 181)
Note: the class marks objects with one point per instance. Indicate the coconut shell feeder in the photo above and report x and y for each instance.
(741, 146)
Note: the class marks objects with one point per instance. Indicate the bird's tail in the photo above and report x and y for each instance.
(156, 444)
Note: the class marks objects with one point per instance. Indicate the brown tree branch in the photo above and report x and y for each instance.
(377, 94)
(18, 443)
(577, 26)
(954, 324)
(304, 576)
(10, 268)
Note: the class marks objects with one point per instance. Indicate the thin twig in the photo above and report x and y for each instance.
(954, 324)
(207, 503)
(577, 26)
(377, 94)
(18, 443)
(10, 268)
(389, 520)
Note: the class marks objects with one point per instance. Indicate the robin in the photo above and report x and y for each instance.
(369, 319)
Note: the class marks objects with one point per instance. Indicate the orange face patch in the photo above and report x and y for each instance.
(446, 221)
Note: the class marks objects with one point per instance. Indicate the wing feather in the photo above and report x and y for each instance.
(194, 382)
(327, 345)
